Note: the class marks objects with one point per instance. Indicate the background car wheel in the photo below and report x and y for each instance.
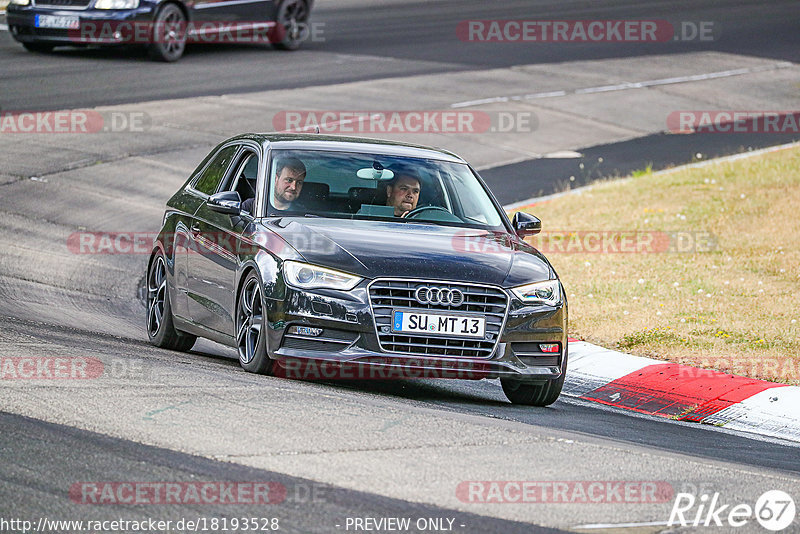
(545, 394)
(169, 34)
(251, 331)
(40, 48)
(160, 328)
(292, 22)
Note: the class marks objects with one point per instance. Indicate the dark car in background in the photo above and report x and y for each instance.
(163, 26)
(448, 288)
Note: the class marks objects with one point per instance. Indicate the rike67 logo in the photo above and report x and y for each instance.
(774, 510)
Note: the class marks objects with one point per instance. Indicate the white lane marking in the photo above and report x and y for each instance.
(623, 525)
(563, 154)
(559, 154)
(625, 86)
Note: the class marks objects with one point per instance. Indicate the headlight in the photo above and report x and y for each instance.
(116, 4)
(21, 2)
(311, 276)
(547, 292)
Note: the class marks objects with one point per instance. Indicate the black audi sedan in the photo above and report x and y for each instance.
(393, 260)
(163, 26)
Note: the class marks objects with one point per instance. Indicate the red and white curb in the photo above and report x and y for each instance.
(682, 392)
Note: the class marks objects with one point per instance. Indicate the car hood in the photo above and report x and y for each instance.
(374, 249)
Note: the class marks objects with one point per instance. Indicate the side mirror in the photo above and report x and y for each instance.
(526, 224)
(227, 202)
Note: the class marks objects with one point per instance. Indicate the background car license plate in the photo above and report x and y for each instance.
(455, 325)
(57, 21)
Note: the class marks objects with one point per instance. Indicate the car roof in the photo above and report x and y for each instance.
(349, 144)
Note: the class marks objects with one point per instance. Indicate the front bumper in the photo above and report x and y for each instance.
(97, 26)
(332, 334)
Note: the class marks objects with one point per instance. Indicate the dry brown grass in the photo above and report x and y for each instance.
(733, 308)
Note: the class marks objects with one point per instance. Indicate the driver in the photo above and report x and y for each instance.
(402, 192)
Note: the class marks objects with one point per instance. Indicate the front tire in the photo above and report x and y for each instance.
(160, 327)
(529, 394)
(39, 48)
(251, 327)
(169, 34)
(292, 22)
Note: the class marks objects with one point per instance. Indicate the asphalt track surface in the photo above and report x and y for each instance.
(392, 38)
(377, 447)
(301, 505)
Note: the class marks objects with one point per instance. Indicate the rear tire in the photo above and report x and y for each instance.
(169, 34)
(39, 48)
(251, 327)
(160, 327)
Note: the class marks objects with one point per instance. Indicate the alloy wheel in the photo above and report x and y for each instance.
(156, 293)
(249, 319)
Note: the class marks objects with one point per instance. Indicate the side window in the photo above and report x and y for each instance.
(243, 179)
(208, 181)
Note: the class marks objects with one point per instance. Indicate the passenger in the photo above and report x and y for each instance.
(402, 192)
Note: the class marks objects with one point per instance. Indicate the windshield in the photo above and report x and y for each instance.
(374, 186)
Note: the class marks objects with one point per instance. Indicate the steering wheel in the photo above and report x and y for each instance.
(417, 211)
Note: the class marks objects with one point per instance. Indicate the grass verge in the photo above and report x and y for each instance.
(698, 266)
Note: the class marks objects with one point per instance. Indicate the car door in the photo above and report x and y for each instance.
(216, 14)
(208, 183)
(217, 237)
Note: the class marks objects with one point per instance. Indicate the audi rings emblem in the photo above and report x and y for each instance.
(439, 296)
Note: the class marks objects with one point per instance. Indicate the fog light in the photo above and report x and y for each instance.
(548, 347)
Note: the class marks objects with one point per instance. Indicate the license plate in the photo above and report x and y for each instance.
(58, 21)
(429, 323)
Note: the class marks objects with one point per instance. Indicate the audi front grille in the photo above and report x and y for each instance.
(63, 4)
(387, 295)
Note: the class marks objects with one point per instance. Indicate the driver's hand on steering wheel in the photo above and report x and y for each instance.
(403, 216)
